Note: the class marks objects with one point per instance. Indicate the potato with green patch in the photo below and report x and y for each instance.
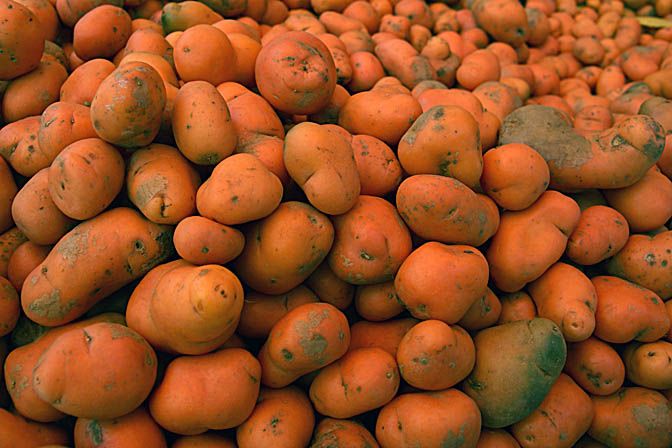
(162, 184)
(100, 371)
(202, 125)
(516, 366)
(309, 337)
(183, 15)
(284, 248)
(214, 391)
(90, 262)
(127, 108)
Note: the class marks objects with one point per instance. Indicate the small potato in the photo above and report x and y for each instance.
(362, 380)
(20, 147)
(239, 190)
(626, 312)
(8, 191)
(377, 302)
(202, 124)
(22, 40)
(649, 364)
(214, 391)
(85, 178)
(348, 433)
(282, 417)
(323, 165)
(31, 93)
(126, 365)
(36, 214)
(514, 175)
(516, 306)
(400, 59)
(600, 233)
(162, 184)
(202, 241)
(439, 281)
(379, 169)
(284, 248)
(371, 241)
(81, 85)
(306, 339)
(9, 242)
(187, 309)
(595, 366)
(434, 356)
(62, 124)
(134, 430)
(329, 288)
(214, 63)
(443, 209)
(101, 32)
(477, 68)
(22, 262)
(128, 106)
(483, 313)
(366, 71)
(295, 72)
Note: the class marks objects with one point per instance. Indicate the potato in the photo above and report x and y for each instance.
(124, 363)
(207, 440)
(516, 366)
(377, 302)
(24, 259)
(162, 184)
(348, 433)
(101, 32)
(134, 430)
(386, 335)
(22, 40)
(10, 306)
(284, 248)
(187, 309)
(128, 106)
(601, 232)
(443, 209)
(32, 93)
(8, 191)
(17, 431)
(241, 189)
(20, 148)
(62, 124)
(85, 178)
(614, 158)
(183, 15)
(81, 85)
(227, 389)
(9, 242)
(201, 241)
(648, 364)
(77, 273)
(505, 20)
(440, 281)
(323, 165)
(306, 339)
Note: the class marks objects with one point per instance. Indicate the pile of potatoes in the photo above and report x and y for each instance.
(335, 223)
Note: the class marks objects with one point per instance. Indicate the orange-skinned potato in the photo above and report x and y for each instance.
(306, 339)
(402, 61)
(626, 312)
(85, 178)
(644, 260)
(514, 175)
(443, 140)
(22, 40)
(601, 232)
(483, 313)
(51, 296)
(505, 20)
(631, 416)
(595, 366)
(101, 371)
(36, 214)
(329, 288)
(227, 389)
(186, 309)
(282, 417)
(24, 259)
(10, 306)
(61, 124)
(614, 158)
(371, 241)
(202, 125)
(432, 355)
(566, 296)
(180, 16)
(284, 248)
(101, 32)
(20, 148)
(560, 420)
(377, 165)
(452, 415)
(362, 380)
(440, 281)
(128, 106)
(201, 241)
(348, 433)
(9, 242)
(206, 440)
(648, 364)
(323, 165)
(214, 63)
(516, 306)
(81, 85)
(443, 209)
(377, 302)
(8, 191)
(134, 430)
(386, 335)
(535, 238)
(17, 431)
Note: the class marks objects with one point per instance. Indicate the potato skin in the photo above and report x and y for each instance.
(134, 430)
(8, 191)
(51, 296)
(128, 106)
(601, 232)
(17, 431)
(228, 387)
(22, 40)
(648, 364)
(62, 124)
(101, 371)
(284, 248)
(201, 241)
(347, 432)
(595, 366)
(9, 307)
(9, 241)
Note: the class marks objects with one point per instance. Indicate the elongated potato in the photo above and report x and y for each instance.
(595, 366)
(93, 260)
(201, 240)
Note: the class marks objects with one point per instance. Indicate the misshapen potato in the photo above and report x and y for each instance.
(308, 338)
(614, 158)
(443, 209)
(516, 366)
(201, 241)
(128, 106)
(600, 233)
(322, 163)
(77, 273)
(182, 308)
(241, 189)
(100, 371)
(214, 391)
(529, 241)
(162, 184)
